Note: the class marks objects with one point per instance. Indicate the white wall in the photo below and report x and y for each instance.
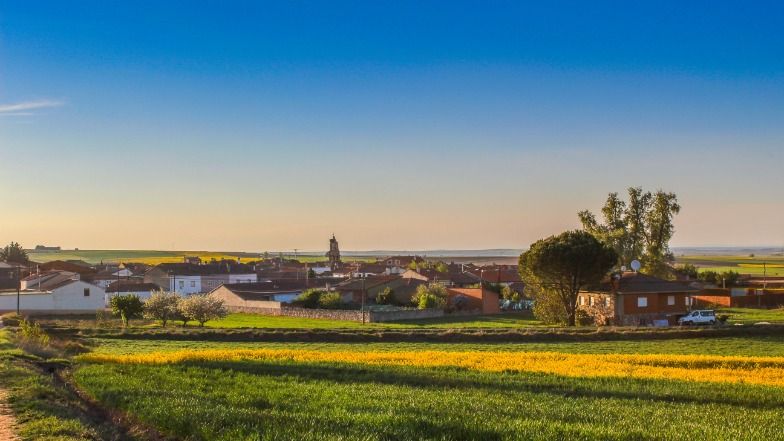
(67, 298)
(185, 285)
(104, 283)
(243, 278)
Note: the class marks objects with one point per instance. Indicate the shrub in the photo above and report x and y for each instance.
(460, 302)
(11, 319)
(30, 333)
(548, 308)
(508, 293)
(330, 300)
(309, 298)
(385, 297)
(433, 295)
(583, 318)
(128, 306)
(161, 306)
(202, 308)
(103, 319)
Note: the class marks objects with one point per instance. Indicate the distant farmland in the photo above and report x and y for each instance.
(743, 264)
(152, 257)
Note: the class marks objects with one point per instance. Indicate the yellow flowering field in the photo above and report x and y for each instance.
(699, 368)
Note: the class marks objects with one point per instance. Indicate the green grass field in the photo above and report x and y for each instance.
(744, 346)
(287, 400)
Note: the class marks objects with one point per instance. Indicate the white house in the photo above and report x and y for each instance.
(55, 292)
(187, 278)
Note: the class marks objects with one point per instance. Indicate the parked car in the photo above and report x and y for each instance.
(699, 317)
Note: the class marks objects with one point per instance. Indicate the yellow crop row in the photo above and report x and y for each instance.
(702, 368)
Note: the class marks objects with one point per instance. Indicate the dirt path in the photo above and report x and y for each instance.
(7, 419)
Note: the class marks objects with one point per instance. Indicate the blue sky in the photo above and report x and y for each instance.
(253, 126)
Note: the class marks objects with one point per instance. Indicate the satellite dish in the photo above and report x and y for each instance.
(636, 265)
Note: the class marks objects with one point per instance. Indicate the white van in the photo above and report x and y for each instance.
(699, 317)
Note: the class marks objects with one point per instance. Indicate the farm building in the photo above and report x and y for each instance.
(54, 292)
(267, 294)
(632, 298)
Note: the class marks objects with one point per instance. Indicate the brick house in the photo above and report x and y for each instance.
(634, 299)
(478, 299)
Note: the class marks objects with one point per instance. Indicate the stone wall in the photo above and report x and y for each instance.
(330, 314)
(344, 314)
(405, 314)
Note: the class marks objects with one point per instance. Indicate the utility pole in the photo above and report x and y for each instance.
(764, 276)
(363, 300)
(18, 287)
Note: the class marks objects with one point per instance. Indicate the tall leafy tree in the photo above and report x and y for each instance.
(660, 230)
(640, 228)
(14, 253)
(557, 268)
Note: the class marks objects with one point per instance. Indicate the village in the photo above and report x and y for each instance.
(383, 290)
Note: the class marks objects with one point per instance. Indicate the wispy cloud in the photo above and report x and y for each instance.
(26, 108)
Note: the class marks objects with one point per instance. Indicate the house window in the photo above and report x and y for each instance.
(182, 284)
(642, 302)
(590, 301)
(607, 301)
(193, 284)
(688, 301)
(670, 300)
(582, 301)
(87, 292)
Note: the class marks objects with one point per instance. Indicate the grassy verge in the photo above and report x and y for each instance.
(753, 315)
(44, 410)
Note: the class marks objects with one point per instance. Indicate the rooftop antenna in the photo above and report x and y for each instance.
(636, 265)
